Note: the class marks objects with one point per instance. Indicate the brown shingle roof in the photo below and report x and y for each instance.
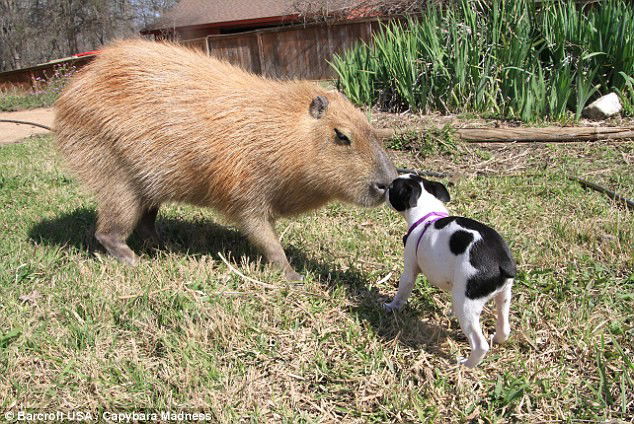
(200, 12)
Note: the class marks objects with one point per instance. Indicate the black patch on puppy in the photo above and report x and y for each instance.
(404, 193)
(436, 189)
(459, 241)
(443, 222)
(491, 257)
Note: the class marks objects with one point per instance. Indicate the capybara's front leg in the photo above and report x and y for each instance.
(262, 234)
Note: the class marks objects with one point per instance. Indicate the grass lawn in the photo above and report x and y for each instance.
(183, 332)
(16, 99)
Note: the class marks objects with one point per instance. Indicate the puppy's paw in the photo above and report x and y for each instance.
(467, 362)
(393, 306)
(499, 338)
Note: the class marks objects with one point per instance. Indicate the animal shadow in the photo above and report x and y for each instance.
(198, 237)
(405, 326)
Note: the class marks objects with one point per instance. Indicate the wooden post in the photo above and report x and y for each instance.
(261, 53)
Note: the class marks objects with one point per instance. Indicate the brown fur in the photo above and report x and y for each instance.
(148, 123)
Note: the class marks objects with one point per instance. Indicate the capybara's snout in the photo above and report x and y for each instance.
(383, 176)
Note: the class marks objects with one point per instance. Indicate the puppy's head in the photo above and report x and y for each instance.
(407, 190)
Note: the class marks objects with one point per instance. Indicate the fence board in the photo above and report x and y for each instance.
(196, 44)
(240, 50)
(300, 51)
(297, 53)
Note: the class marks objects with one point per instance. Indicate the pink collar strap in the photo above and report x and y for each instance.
(426, 220)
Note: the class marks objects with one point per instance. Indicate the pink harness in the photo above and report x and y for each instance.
(426, 220)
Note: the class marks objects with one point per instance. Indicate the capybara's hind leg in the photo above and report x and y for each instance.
(117, 216)
(262, 234)
(146, 228)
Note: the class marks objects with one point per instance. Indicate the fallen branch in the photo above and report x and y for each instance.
(523, 135)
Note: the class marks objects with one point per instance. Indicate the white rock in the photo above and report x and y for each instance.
(603, 107)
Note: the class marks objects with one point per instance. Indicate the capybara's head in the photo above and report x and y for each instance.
(352, 161)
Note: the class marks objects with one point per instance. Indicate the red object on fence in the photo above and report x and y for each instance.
(88, 53)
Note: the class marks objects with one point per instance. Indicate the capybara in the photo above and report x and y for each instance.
(147, 123)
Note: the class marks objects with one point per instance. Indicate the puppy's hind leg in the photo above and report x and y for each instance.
(468, 312)
(503, 306)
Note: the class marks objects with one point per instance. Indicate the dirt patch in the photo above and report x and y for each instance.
(10, 133)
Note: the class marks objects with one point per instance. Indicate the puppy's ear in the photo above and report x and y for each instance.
(437, 190)
(403, 194)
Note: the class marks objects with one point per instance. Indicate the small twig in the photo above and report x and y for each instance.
(232, 269)
(612, 195)
(13, 121)
(384, 279)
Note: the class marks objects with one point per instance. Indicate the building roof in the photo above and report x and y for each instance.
(202, 12)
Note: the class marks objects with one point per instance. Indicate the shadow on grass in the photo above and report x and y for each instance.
(202, 237)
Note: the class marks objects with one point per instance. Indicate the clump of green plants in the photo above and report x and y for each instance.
(42, 93)
(511, 58)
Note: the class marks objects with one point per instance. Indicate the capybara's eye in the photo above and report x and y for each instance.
(341, 138)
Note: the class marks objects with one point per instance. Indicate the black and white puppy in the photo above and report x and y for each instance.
(456, 254)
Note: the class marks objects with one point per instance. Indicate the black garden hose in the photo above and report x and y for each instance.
(610, 194)
(13, 121)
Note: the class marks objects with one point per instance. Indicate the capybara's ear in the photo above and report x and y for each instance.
(437, 189)
(318, 107)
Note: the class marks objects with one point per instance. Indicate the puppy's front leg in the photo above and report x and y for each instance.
(405, 287)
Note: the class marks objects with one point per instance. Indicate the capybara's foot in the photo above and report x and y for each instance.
(292, 275)
(117, 248)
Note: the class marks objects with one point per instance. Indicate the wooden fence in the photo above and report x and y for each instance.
(299, 51)
(29, 77)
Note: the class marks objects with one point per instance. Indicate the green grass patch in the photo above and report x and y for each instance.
(20, 99)
(182, 332)
(517, 59)
(43, 93)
